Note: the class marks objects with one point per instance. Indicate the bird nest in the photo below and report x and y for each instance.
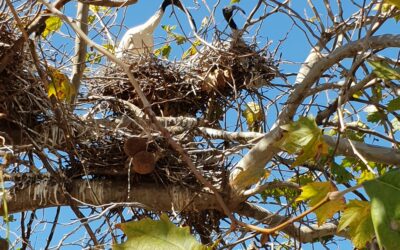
(196, 88)
(23, 101)
(185, 88)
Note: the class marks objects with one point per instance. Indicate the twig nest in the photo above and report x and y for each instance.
(143, 162)
(135, 145)
(216, 80)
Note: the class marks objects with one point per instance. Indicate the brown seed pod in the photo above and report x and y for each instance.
(143, 162)
(134, 145)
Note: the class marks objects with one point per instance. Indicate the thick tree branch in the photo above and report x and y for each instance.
(157, 198)
(47, 193)
(373, 153)
(255, 160)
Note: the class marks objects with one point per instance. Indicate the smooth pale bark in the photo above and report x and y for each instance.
(48, 193)
(256, 159)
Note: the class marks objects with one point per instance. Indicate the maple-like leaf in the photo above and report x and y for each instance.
(148, 234)
(53, 24)
(60, 87)
(357, 217)
(254, 115)
(316, 192)
(304, 138)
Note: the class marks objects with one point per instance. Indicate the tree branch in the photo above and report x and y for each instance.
(255, 160)
(309, 233)
(107, 3)
(373, 153)
(82, 13)
(46, 193)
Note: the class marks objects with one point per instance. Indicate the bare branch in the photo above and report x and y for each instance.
(82, 13)
(309, 233)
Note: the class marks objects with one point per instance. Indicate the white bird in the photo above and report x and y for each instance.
(139, 40)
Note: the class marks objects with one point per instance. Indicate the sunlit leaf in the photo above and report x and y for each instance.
(315, 192)
(168, 28)
(97, 9)
(393, 2)
(365, 175)
(148, 234)
(383, 70)
(192, 50)
(164, 51)
(254, 115)
(303, 138)
(204, 22)
(109, 47)
(91, 19)
(179, 39)
(59, 86)
(357, 217)
(396, 124)
(385, 208)
(53, 24)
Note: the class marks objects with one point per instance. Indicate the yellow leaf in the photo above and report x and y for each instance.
(393, 2)
(95, 8)
(254, 115)
(316, 192)
(304, 138)
(53, 24)
(59, 86)
(357, 217)
(366, 175)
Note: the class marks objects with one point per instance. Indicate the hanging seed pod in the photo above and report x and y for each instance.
(134, 145)
(143, 162)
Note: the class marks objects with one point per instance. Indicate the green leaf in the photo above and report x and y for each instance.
(375, 117)
(357, 217)
(340, 174)
(303, 138)
(279, 191)
(164, 51)
(316, 192)
(383, 70)
(235, 1)
(393, 2)
(53, 24)
(148, 234)
(366, 175)
(91, 19)
(179, 39)
(254, 115)
(168, 28)
(394, 105)
(385, 208)
(109, 47)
